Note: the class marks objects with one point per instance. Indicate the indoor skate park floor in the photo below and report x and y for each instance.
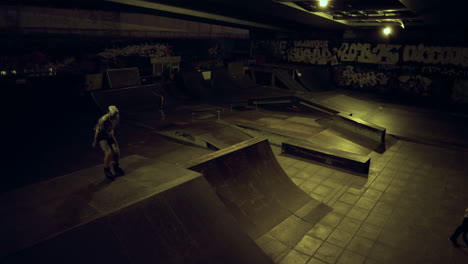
(403, 212)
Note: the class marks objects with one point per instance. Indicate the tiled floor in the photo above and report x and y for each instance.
(403, 212)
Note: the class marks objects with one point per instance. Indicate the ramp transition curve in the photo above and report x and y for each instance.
(180, 220)
(253, 186)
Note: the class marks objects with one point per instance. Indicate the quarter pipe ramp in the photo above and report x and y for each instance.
(253, 186)
(156, 213)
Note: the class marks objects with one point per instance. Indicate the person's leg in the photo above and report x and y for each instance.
(116, 151)
(465, 232)
(161, 108)
(107, 157)
(454, 236)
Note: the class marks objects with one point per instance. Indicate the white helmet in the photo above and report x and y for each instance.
(113, 110)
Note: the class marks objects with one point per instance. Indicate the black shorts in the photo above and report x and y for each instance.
(106, 143)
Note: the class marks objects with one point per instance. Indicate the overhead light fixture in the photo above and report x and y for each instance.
(387, 31)
(323, 3)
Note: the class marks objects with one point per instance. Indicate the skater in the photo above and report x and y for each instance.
(161, 104)
(463, 228)
(105, 136)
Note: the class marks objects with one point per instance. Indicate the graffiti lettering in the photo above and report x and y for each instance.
(311, 43)
(319, 56)
(363, 79)
(318, 52)
(416, 84)
(436, 55)
(362, 52)
(275, 48)
(430, 69)
(388, 67)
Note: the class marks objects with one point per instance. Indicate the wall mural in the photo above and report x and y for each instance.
(156, 50)
(34, 57)
(349, 77)
(418, 70)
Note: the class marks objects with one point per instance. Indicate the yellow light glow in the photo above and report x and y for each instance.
(387, 31)
(3, 73)
(323, 3)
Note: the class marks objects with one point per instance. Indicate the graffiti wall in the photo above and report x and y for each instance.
(407, 70)
(34, 57)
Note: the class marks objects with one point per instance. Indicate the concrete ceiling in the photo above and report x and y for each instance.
(293, 15)
(340, 14)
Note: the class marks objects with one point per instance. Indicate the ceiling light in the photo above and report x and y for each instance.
(387, 31)
(323, 3)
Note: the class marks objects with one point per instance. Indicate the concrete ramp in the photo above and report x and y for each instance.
(243, 81)
(254, 187)
(236, 72)
(302, 102)
(335, 119)
(212, 135)
(223, 83)
(334, 157)
(196, 86)
(312, 143)
(156, 213)
(124, 77)
(314, 79)
(227, 86)
(288, 81)
(130, 99)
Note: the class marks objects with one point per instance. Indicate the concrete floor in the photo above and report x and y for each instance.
(403, 212)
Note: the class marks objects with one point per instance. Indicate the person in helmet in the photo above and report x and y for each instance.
(462, 229)
(105, 135)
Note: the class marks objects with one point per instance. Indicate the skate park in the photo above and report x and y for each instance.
(243, 163)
